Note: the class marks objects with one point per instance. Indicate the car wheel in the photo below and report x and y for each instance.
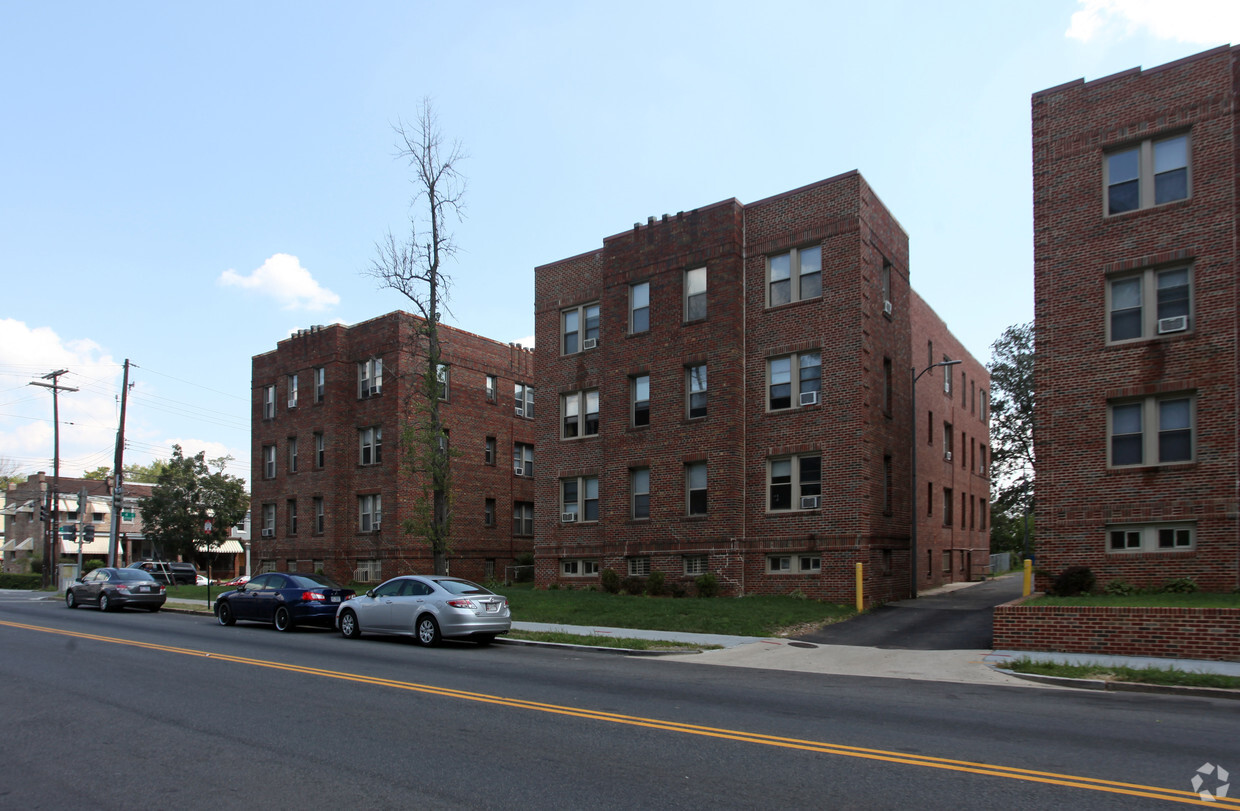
(283, 620)
(105, 603)
(70, 600)
(484, 639)
(428, 631)
(350, 628)
(223, 613)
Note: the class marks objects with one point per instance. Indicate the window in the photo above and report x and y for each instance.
(1170, 291)
(579, 499)
(488, 450)
(640, 393)
(794, 483)
(370, 512)
(794, 276)
(318, 518)
(370, 377)
(1151, 538)
(639, 567)
(639, 486)
(292, 454)
(523, 459)
(887, 380)
(269, 520)
(370, 445)
(885, 283)
(887, 506)
(292, 391)
(320, 450)
(578, 568)
(523, 518)
(947, 377)
(948, 503)
(1127, 429)
(947, 561)
(441, 380)
(697, 390)
(579, 326)
(572, 408)
(269, 402)
(491, 388)
(793, 564)
(981, 459)
(639, 308)
(695, 486)
(290, 507)
(524, 396)
(320, 383)
(1148, 174)
(929, 498)
(488, 512)
(694, 564)
(269, 461)
(949, 441)
(786, 390)
(695, 294)
(369, 570)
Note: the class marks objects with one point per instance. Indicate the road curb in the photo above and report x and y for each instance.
(534, 643)
(1125, 686)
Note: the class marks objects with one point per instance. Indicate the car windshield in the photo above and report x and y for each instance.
(312, 581)
(132, 574)
(461, 587)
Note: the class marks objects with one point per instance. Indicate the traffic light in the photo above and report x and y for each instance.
(43, 513)
(88, 533)
(69, 532)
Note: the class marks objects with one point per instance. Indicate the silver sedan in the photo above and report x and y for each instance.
(427, 608)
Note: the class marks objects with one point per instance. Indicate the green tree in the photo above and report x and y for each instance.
(185, 493)
(1011, 433)
(413, 267)
(99, 474)
(10, 471)
(146, 474)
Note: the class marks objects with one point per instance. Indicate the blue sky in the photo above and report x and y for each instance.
(183, 184)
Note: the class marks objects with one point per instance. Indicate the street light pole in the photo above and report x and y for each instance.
(913, 518)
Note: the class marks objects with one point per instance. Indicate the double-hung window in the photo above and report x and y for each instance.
(697, 390)
(793, 380)
(488, 451)
(1149, 174)
(320, 383)
(269, 461)
(579, 499)
(370, 377)
(370, 512)
(695, 488)
(639, 485)
(441, 380)
(695, 294)
(269, 402)
(1131, 318)
(794, 276)
(579, 327)
(290, 509)
(491, 384)
(269, 520)
(370, 445)
(640, 388)
(1151, 537)
(292, 391)
(1151, 431)
(319, 515)
(639, 308)
(292, 454)
(523, 518)
(523, 459)
(794, 483)
(579, 414)
(523, 395)
(320, 450)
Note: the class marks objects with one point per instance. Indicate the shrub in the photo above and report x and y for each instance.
(1180, 585)
(21, 581)
(1120, 588)
(36, 565)
(655, 584)
(797, 594)
(633, 585)
(1072, 581)
(707, 585)
(91, 565)
(610, 581)
(678, 589)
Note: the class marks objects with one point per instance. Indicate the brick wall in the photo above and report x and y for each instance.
(1177, 633)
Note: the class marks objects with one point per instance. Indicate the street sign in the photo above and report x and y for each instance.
(206, 527)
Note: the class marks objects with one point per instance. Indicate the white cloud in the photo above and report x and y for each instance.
(1201, 22)
(239, 466)
(527, 342)
(283, 278)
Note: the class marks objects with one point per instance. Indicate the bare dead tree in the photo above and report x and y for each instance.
(414, 267)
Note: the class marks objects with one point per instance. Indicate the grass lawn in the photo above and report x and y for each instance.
(1194, 600)
(1141, 675)
(740, 616)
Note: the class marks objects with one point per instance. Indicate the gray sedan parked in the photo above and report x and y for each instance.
(427, 608)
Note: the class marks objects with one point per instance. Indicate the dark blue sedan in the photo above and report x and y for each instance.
(285, 599)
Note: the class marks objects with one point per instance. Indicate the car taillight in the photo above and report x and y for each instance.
(462, 604)
(122, 587)
(312, 595)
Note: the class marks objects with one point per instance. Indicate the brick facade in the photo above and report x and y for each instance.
(1136, 328)
(752, 330)
(475, 421)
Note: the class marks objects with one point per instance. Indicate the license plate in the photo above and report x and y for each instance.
(492, 608)
(142, 589)
(335, 599)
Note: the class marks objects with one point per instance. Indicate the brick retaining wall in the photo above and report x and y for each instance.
(1179, 633)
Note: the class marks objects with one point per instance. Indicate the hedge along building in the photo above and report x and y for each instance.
(727, 391)
(1135, 213)
(331, 490)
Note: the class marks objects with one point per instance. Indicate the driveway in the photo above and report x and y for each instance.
(959, 619)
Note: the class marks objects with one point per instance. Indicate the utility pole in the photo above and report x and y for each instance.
(118, 474)
(49, 537)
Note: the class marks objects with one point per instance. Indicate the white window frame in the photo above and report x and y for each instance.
(579, 404)
(320, 450)
(637, 405)
(639, 307)
(690, 489)
(697, 385)
(320, 383)
(639, 566)
(523, 456)
(523, 396)
(1146, 178)
(694, 565)
(269, 461)
(492, 387)
(573, 341)
(290, 507)
(796, 275)
(292, 454)
(269, 402)
(579, 567)
(370, 378)
(370, 445)
(795, 382)
(269, 518)
(639, 490)
(442, 381)
(292, 391)
(1149, 538)
(320, 515)
(797, 486)
(587, 495)
(695, 287)
(522, 519)
(1151, 309)
(1151, 427)
(369, 512)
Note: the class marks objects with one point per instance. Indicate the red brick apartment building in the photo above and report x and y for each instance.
(727, 391)
(329, 488)
(1135, 215)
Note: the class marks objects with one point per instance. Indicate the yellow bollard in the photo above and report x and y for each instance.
(1028, 578)
(860, 590)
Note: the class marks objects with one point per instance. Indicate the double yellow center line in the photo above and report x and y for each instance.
(968, 767)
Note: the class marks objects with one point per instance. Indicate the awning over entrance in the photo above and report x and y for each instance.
(99, 546)
(15, 545)
(228, 547)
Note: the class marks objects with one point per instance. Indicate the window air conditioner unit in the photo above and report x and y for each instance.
(887, 308)
(809, 398)
(589, 343)
(809, 502)
(1178, 323)
(520, 411)
(269, 533)
(947, 456)
(376, 526)
(518, 469)
(292, 404)
(569, 518)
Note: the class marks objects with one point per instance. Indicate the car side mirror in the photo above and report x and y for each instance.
(370, 593)
(241, 587)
